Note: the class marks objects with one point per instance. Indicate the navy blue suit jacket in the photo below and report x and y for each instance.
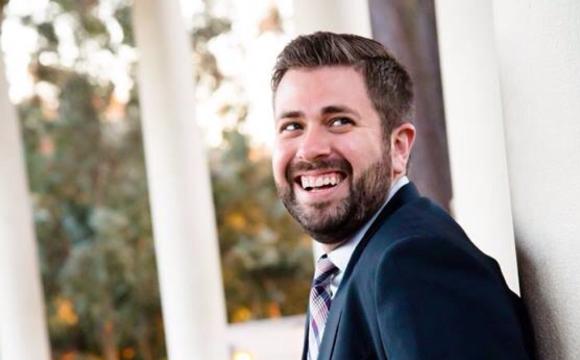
(417, 288)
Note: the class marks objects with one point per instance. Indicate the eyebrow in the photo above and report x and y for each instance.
(330, 109)
(333, 109)
(290, 115)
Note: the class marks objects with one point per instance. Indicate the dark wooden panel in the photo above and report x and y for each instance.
(408, 29)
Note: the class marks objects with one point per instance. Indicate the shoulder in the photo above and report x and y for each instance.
(436, 292)
(422, 228)
(420, 244)
(420, 251)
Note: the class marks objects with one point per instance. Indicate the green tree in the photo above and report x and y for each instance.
(266, 259)
(88, 178)
(87, 175)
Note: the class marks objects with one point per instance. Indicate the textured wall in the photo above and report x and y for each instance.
(538, 45)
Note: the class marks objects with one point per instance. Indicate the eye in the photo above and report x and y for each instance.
(341, 121)
(290, 126)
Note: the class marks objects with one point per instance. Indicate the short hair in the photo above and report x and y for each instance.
(389, 86)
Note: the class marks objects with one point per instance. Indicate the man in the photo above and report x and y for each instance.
(398, 279)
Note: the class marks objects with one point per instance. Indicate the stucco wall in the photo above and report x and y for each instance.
(538, 45)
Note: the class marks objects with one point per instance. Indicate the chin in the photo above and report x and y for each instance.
(325, 223)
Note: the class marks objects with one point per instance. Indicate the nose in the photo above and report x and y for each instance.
(315, 144)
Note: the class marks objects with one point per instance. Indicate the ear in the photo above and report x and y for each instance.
(402, 139)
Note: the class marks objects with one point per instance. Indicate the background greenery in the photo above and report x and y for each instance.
(87, 175)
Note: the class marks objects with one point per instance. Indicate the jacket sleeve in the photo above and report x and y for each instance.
(436, 299)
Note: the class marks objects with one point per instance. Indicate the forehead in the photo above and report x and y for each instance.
(310, 90)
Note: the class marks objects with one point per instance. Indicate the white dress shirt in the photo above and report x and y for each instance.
(342, 254)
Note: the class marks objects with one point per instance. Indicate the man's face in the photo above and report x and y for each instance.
(331, 162)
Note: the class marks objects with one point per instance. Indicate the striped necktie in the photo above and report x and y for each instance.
(320, 299)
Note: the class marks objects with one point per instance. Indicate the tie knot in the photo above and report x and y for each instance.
(324, 270)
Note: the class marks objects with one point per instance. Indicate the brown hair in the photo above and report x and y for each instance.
(389, 86)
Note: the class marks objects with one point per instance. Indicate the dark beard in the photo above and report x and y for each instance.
(332, 224)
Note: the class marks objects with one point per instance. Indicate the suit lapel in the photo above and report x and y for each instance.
(331, 327)
(405, 194)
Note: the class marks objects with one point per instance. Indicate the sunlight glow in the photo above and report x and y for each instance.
(245, 55)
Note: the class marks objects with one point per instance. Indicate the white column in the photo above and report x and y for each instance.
(538, 45)
(481, 197)
(23, 332)
(179, 187)
(342, 16)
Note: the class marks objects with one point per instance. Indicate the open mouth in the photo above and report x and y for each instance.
(321, 181)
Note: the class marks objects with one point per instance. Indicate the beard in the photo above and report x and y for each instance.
(332, 222)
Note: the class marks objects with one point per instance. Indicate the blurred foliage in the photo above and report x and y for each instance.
(87, 174)
(266, 260)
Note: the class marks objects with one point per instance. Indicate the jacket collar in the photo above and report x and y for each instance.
(406, 194)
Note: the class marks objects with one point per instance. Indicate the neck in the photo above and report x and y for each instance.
(396, 177)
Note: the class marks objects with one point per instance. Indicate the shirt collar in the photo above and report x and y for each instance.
(341, 255)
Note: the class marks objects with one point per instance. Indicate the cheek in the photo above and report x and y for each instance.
(281, 156)
(361, 153)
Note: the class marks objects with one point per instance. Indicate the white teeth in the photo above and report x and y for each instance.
(318, 181)
(307, 181)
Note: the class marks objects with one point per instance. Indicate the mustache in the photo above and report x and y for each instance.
(320, 164)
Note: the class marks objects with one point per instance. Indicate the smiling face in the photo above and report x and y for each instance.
(331, 161)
